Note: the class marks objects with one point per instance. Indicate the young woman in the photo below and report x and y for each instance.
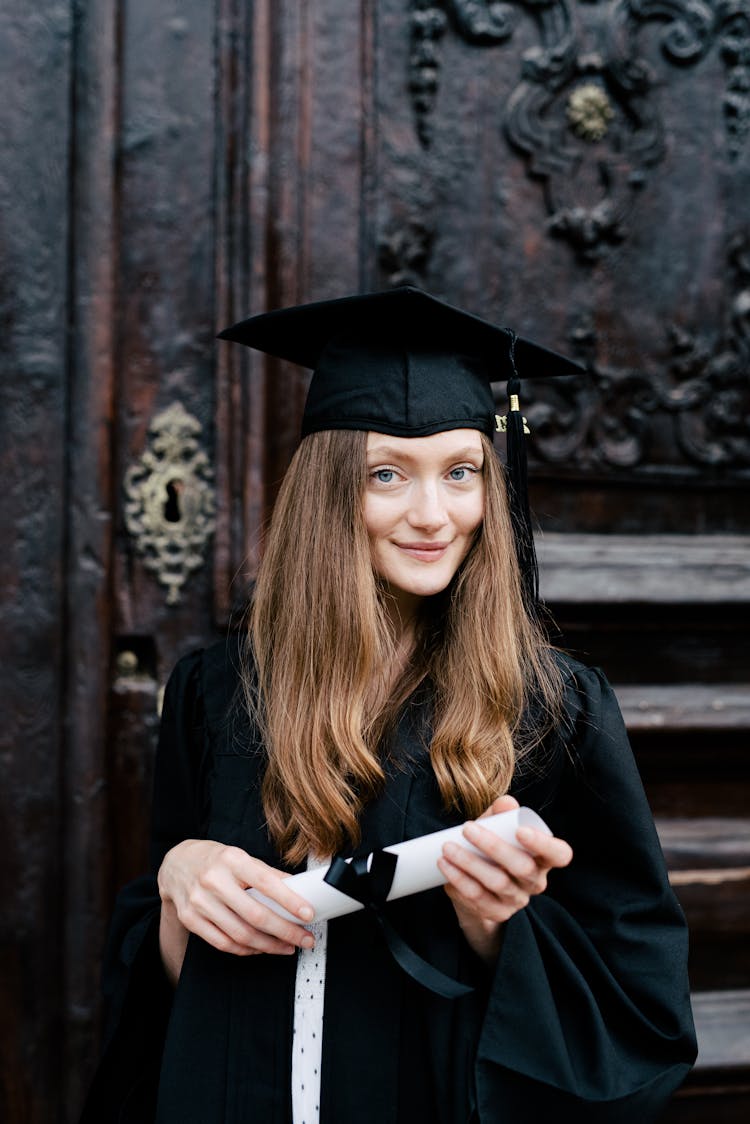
(393, 681)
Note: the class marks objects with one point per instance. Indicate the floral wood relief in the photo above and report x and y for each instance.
(403, 252)
(585, 109)
(692, 411)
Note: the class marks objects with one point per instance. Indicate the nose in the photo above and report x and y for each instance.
(427, 510)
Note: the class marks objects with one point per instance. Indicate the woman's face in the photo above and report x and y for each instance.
(424, 502)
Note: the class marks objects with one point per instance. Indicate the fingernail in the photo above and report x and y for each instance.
(308, 941)
(306, 913)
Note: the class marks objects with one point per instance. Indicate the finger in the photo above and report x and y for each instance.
(544, 851)
(463, 889)
(548, 850)
(256, 937)
(253, 872)
(498, 877)
(258, 916)
(490, 877)
(518, 864)
(504, 803)
(215, 936)
(218, 890)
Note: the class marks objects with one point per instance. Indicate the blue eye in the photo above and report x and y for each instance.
(384, 475)
(461, 473)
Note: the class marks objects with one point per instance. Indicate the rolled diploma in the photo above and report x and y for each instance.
(416, 869)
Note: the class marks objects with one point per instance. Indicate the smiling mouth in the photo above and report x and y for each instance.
(424, 551)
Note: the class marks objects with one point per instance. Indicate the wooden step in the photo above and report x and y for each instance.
(685, 706)
(701, 846)
(709, 868)
(661, 569)
(717, 1090)
(722, 1023)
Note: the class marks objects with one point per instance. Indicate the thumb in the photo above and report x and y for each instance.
(504, 803)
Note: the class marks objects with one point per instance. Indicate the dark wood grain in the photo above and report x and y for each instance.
(35, 62)
(91, 502)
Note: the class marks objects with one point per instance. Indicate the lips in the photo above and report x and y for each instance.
(424, 551)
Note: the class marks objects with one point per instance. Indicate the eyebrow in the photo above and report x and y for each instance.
(468, 452)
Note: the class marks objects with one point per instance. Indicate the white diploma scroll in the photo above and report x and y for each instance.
(416, 869)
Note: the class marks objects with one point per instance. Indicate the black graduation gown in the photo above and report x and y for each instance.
(586, 1015)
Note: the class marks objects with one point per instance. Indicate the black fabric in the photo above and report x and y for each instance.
(585, 1017)
(400, 362)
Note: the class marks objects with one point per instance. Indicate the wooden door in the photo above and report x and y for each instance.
(578, 169)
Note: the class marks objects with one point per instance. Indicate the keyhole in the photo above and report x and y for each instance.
(172, 512)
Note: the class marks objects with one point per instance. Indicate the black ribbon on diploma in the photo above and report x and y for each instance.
(371, 888)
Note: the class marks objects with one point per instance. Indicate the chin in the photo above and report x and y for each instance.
(422, 586)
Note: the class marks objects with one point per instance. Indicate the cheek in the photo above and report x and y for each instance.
(377, 525)
(369, 511)
(379, 516)
(471, 516)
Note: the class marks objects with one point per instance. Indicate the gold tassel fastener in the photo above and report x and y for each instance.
(501, 420)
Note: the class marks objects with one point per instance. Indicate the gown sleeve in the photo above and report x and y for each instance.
(138, 997)
(589, 1017)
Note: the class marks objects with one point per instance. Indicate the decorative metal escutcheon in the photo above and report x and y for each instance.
(170, 499)
(589, 111)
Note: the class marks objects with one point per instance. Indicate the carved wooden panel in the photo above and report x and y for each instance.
(585, 111)
(579, 170)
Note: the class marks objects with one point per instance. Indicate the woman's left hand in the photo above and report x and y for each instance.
(488, 889)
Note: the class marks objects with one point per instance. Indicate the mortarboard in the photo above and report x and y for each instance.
(405, 363)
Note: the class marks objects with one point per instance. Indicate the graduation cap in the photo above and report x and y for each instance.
(407, 364)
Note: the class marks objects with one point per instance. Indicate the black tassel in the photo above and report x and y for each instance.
(518, 490)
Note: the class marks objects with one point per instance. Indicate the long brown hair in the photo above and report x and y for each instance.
(319, 642)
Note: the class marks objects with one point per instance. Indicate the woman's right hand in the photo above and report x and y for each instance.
(202, 885)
